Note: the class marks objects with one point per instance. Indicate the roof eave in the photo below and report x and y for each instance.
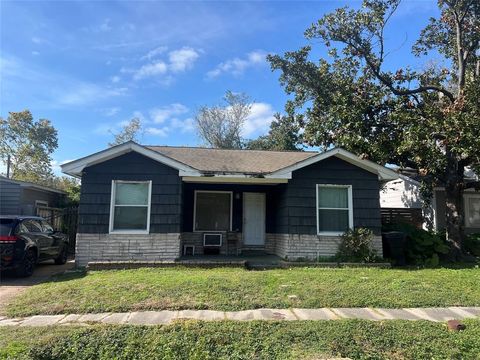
(384, 173)
(76, 167)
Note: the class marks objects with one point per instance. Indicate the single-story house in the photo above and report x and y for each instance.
(404, 192)
(24, 198)
(153, 203)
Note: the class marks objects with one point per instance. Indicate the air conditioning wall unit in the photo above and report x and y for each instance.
(212, 239)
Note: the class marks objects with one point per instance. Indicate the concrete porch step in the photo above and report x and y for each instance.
(252, 250)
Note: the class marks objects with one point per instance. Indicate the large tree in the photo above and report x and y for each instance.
(220, 126)
(428, 119)
(283, 135)
(27, 146)
(129, 132)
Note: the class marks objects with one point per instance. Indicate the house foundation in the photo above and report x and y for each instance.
(126, 247)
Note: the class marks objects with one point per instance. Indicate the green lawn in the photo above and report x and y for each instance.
(248, 340)
(237, 289)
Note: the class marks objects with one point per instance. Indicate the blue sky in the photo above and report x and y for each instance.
(90, 66)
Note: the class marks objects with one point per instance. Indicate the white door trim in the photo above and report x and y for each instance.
(259, 239)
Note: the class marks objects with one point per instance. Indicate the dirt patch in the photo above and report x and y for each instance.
(11, 286)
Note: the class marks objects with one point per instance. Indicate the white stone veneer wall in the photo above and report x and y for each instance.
(126, 247)
(296, 246)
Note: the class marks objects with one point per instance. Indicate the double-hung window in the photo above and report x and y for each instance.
(334, 209)
(472, 210)
(130, 206)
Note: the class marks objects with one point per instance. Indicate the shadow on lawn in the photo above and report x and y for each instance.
(452, 266)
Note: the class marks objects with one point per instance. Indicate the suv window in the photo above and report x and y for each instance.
(6, 226)
(21, 228)
(33, 226)
(46, 227)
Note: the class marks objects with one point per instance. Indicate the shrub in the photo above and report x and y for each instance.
(423, 247)
(472, 244)
(356, 246)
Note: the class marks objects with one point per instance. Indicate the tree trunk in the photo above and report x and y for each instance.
(454, 208)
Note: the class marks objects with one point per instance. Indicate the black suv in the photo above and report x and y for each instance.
(26, 240)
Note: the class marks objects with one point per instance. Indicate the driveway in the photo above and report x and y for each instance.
(11, 286)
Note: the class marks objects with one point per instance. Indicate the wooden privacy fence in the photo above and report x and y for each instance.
(64, 220)
(401, 215)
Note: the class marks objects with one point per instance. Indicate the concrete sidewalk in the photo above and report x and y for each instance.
(168, 316)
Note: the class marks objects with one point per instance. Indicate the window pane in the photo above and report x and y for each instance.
(473, 211)
(332, 220)
(130, 218)
(131, 193)
(332, 197)
(46, 227)
(6, 226)
(212, 211)
(33, 226)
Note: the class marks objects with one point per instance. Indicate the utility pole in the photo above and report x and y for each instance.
(8, 166)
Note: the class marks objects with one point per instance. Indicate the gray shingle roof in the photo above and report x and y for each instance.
(233, 161)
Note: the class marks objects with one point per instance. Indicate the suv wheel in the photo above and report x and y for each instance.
(62, 257)
(27, 264)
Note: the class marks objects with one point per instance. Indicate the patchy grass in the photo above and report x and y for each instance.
(355, 339)
(239, 289)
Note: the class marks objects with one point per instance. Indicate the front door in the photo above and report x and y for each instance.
(254, 219)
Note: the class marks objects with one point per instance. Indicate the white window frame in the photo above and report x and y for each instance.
(467, 196)
(212, 233)
(112, 207)
(195, 209)
(350, 208)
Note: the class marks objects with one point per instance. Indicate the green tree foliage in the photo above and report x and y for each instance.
(427, 119)
(129, 132)
(283, 135)
(220, 126)
(29, 144)
(68, 184)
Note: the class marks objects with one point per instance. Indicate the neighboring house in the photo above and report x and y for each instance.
(152, 203)
(404, 192)
(22, 197)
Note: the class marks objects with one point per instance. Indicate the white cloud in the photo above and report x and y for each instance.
(168, 117)
(258, 122)
(161, 114)
(178, 61)
(182, 59)
(52, 89)
(162, 132)
(110, 111)
(39, 41)
(154, 69)
(237, 66)
(85, 93)
(115, 79)
(187, 125)
(105, 26)
(55, 164)
(154, 53)
(174, 125)
(35, 53)
(161, 122)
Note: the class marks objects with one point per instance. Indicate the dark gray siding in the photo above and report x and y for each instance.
(29, 196)
(94, 210)
(296, 205)
(9, 198)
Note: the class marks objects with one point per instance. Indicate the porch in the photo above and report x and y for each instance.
(228, 219)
